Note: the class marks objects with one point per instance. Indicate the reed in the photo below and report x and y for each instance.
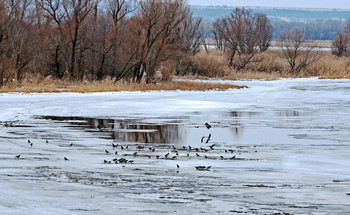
(50, 85)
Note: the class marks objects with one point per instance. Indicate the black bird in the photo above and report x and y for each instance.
(71, 144)
(47, 141)
(174, 157)
(157, 156)
(114, 146)
(31, 144)
(197, 155)
(116, 152)
(177, 165)
(211, 147)
(66, 159)
(153, 149)
(205, 156)
(135, 154)
(203, 168)
(29, 141)
(208, 139)
(222, 157)
(166, 155)
(104, 161)
(122, 160)
(107, 152)
(122, 147)
(207, 125)
(202, 139)
(203, 149)
(188, 155)
(233, 157)
(17, 156)
(174, 147)
(127, 147)
(189, 148)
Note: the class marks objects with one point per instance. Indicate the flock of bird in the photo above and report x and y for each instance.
(172, 154)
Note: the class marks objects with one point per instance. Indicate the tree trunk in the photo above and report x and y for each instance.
(74, 45)
(1, 77)
(57, 66)
(100, 70)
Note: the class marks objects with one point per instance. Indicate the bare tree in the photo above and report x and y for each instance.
(76, 13)
(101, 40)
(4, 25)
(56, 40)
(16, 38)
(243, 34)
(218, 33)
(264, 31)
(150, 39)
(296, 51)
(190, 33)
(119, 9)
(341, 43)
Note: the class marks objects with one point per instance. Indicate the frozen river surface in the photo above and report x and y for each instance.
(277, 147)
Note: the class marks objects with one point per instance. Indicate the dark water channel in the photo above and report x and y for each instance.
(234, 127)
(128, 130)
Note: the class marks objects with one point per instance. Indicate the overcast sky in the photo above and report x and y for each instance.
(340, 4)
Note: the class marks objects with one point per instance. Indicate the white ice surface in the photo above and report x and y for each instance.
(292, 135)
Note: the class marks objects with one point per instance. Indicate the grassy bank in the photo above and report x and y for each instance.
(56, 86)
(270, 65)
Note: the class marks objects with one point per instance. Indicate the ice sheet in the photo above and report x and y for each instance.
(290, 139)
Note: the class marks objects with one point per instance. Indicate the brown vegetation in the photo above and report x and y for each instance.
(272, 65)
(79, 40)
(80, 46)
(49, 85)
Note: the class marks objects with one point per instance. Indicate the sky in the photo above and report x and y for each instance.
(339, 4)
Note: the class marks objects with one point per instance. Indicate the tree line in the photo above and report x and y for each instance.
(93, 39)
(132, 40)
(314, 29)
(341, 43)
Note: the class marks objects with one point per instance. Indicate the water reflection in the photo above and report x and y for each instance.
(129, 130)
(288, 113)
(148, 133)
(237, 114)
(235, 126)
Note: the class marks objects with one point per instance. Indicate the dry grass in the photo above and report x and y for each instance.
(314, 43)
(330, 66)
(54, 86)
(272, 65)
(211, 65)
(267, 66)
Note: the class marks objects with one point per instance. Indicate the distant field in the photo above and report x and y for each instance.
(211, 13)
(319, 24)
